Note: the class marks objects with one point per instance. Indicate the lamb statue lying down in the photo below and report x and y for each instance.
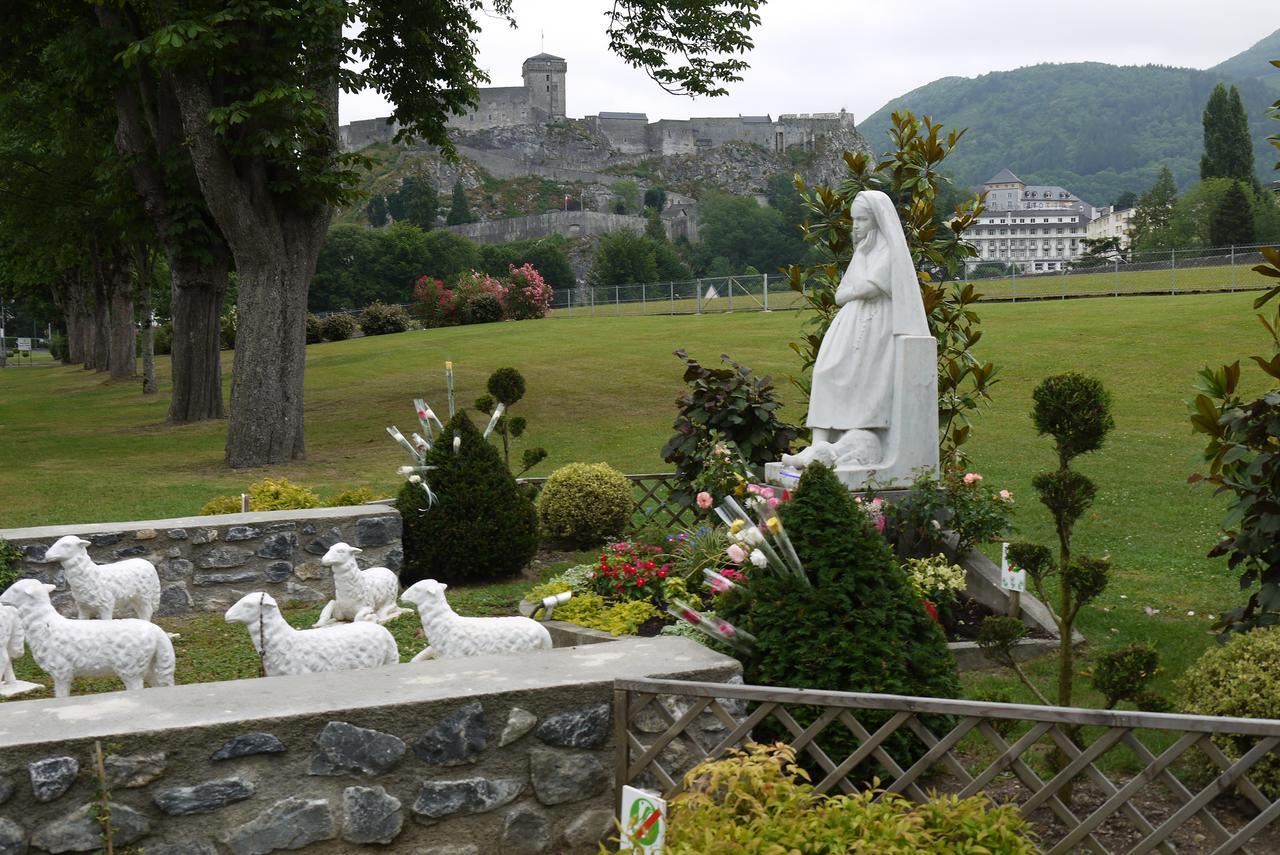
(853, 448)
(358, 594)
(285, 650)
(131, 649)
(452, 636)
(101, 589)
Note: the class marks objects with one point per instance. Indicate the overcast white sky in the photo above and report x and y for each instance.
(822, 55)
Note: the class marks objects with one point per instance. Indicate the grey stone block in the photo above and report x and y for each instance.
(321, 544)
(175, 599)
(457, 740)
(176, 569)
(7, 786)
(377, 531)
(588, 828)
(204, 535)
(106, 538)
(188, 847)
(224, 557)
(246, 744)
(526, 829)
(205, 580)
(52, 776)
(394, 559)
(203, 798)
(344, 748)
(438, 799)
(80, 830)
(129, 552)
(294, 591)
(281, 526)
(177, 534)
(559, 777)
(278, 545)
(145, 534)
(582, 728)
(13, 838)
(35, 551)
(279, 571)
(519, 722)
(370, 815)
(133, 770)
(240, 532)
(290, 823)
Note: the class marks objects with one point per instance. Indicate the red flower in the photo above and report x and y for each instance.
(931, 609)
(662, 574)
(640, 581)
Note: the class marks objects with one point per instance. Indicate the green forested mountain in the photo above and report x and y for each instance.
(1094, 128)
(1255, 63)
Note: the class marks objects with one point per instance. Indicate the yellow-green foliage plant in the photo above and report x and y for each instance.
(757, 801)
(583, 504)
(357, 496)
(591, 611)
(1238, 679)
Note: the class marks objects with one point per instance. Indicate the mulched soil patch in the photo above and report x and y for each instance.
(962, 621)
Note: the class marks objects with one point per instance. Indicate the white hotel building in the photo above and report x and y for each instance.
(1037, 227)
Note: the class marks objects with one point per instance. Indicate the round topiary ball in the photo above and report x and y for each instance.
(1075, 410)
(585, 504)
(506, 385)
(1238, 679)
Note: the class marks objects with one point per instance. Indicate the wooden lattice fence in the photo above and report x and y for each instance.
(652, 493)
(1173, 790)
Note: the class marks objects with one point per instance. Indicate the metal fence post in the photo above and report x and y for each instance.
(672, 287)
(642, 300)
(1115, 284)
(698, 294)
(729, 285)
(593, 302)
(1233, 267)
(617, 299)
(1173, 272)
(764, 278)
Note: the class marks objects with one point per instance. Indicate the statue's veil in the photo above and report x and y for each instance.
(908, 307)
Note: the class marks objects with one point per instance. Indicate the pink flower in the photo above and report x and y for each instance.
(773, 503)
(704, 500)
(736, 553)
(691, 616)
(1006, 495)
(726, 630)
(880, 524)
(972, 478)
(767, 492)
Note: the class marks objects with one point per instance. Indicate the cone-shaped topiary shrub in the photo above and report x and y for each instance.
(481, 526)
(858, 628)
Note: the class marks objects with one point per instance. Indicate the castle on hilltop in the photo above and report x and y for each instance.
(542, 100)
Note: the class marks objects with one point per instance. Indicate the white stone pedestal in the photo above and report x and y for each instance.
(911, 442)
(17, 687)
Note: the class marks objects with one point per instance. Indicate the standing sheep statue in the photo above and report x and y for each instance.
(130, 649)
(359, 594)
(285, 650)
(11, 646)
(100, 588)
(452, 637)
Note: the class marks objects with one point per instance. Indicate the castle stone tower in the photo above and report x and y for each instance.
(544, 79)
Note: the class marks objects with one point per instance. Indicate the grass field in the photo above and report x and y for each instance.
(77, 448)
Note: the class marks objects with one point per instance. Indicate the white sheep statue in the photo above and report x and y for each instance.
(99, 589)
(452, 637)
(285, 650)
(130, 649)
(11, 642)
(359, 594)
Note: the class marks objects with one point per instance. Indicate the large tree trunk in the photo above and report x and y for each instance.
(122, 351)
(98, 342)
(144, 265)
(266, 385)
(196, 308)
(275, 240)
(150, 134)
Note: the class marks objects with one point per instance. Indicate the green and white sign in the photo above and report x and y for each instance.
(644, 822)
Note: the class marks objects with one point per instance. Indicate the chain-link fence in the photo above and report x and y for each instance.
(1176, 271)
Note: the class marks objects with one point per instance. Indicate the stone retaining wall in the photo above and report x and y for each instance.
(491, 754)
(207, 563)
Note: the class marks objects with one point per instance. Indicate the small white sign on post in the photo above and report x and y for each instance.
(24, 344)
(644, 822)
(1011, 579)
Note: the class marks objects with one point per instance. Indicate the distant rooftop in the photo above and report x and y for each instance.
(634, 116)
(1004, 176)
(547, 56)
(756, 119)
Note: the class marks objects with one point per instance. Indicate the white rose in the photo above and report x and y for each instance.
(753, 536)
(758, 559)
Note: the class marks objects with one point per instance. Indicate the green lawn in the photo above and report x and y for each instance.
(77, 448)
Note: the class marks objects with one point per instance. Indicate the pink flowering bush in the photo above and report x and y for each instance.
(434, 304)
(961, 502)
(527, 295)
